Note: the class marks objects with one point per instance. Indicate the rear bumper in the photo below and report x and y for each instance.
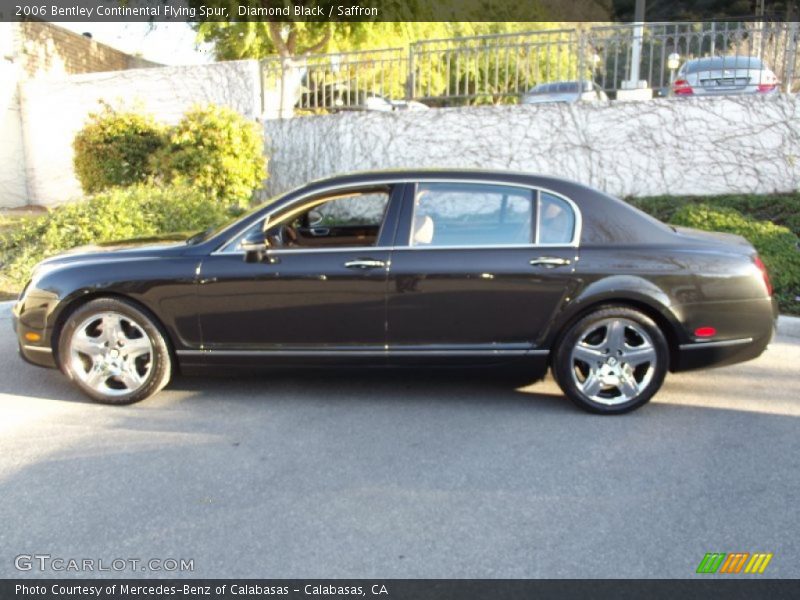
(756, 322)
(700, 355)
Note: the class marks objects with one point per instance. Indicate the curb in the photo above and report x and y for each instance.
(787, 326)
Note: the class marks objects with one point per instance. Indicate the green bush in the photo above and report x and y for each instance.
(138, 211)
(115, 149)
(217, 150)
(781, 209)
(776, 245)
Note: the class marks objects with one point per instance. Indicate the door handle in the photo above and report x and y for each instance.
(548, 262)
(319, 231)
(365, 263)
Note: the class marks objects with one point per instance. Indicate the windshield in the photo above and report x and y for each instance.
(207, 234)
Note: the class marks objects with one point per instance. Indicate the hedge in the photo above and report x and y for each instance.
(212, 148)
(116, 149)
(138, 211)
(776, 245)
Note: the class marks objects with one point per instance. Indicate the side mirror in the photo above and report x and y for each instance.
(255, 247)
(254, 251)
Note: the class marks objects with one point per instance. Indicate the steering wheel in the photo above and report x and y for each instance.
(281, 236)
(287, 235)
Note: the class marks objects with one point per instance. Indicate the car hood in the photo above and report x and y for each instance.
(121, 250)
(717, 238)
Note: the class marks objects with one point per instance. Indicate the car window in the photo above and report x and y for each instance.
(556, 222)
(354, 219)
(355, 209)
(346, 220)
(457, 214)
(723, 62)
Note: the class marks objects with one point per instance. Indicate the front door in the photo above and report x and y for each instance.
(321, 286)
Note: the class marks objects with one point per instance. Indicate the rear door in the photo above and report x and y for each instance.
(479, 268)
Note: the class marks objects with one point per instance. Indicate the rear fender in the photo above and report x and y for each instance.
(627, 290)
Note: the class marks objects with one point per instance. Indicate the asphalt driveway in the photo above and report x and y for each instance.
(402, 474)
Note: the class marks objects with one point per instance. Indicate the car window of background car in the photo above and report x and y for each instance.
(556, 220)
(723, 62)
(456, 214)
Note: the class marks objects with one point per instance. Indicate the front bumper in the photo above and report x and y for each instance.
(37, 352)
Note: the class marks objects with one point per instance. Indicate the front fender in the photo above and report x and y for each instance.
(166, 287)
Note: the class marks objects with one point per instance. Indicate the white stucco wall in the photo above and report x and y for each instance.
(669, 146)
(54, 110)
(12, 161)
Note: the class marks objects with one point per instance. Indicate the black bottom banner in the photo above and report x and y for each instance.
(397, 589)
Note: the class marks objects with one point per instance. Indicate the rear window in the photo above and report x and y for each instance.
(564, 87)
(724, 62)
(471, 214)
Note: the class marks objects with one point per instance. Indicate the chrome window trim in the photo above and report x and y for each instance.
(575, 243)
(575, 213)
(538, 216)
(536, 193)
(224, 248)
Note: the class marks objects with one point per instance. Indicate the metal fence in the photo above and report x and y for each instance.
(497, 69)
(608, 49)
(490, 68)
(331, 82)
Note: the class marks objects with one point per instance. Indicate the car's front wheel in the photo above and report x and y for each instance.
(611, 361)
(114, 352)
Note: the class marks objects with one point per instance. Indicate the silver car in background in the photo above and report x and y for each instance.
(718, 75)
(565, 91)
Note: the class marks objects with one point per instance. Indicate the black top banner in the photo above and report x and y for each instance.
(321, 11)
(398, 589)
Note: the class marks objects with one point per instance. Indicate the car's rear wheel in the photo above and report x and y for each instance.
(114, 352)
(611, 361)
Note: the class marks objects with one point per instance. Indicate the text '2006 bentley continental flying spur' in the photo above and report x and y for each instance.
(423, 267)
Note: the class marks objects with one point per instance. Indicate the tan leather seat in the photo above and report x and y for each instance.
(423, 231)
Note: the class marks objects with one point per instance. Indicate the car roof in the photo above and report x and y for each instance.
(448, 174)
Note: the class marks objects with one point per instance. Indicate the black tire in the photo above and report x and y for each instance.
(157, 361)
(567, 371)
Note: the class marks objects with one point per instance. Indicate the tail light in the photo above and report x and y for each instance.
(763, 268)
(681, 87)
(769, 84)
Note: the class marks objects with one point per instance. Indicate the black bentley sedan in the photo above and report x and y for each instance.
(414, 268)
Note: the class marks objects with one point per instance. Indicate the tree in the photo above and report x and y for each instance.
(290, 41)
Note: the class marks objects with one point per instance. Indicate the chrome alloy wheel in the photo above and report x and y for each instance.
(111, 353)
(613, 361)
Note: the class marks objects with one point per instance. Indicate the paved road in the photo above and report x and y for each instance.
(403, 475)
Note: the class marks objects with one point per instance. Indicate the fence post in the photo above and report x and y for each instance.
(791, 56)
(581, 57)
(410, 73)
